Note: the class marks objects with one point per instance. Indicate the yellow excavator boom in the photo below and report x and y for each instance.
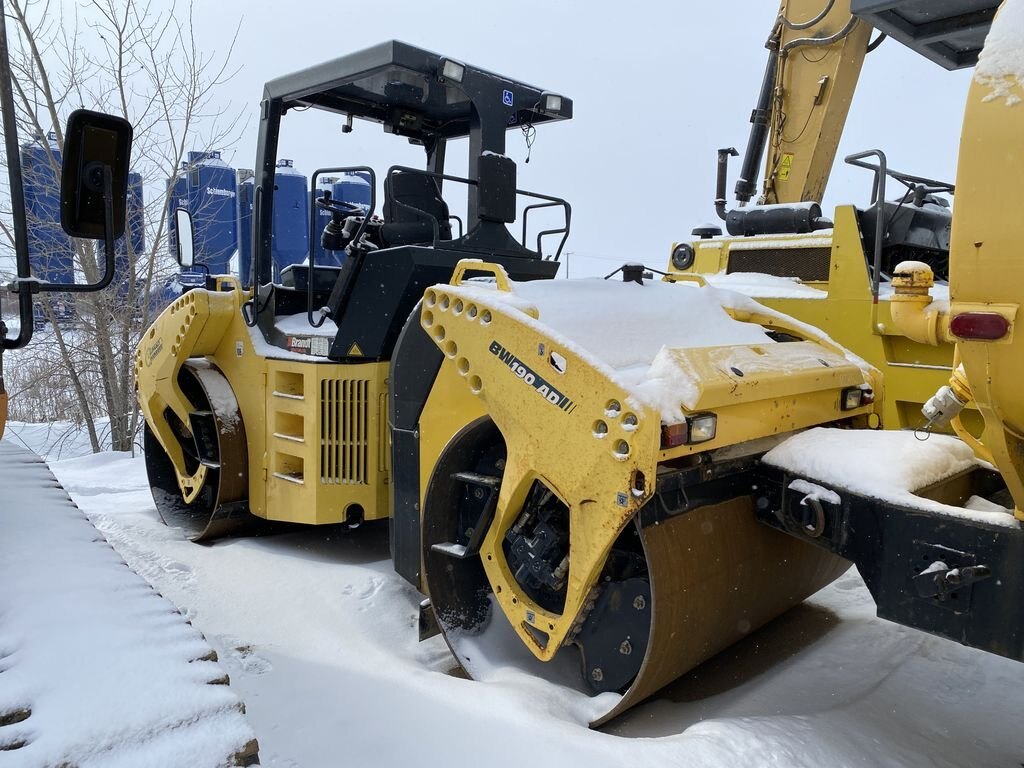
(818, 52)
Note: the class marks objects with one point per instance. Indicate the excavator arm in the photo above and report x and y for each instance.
(820, 51)
(816, 50)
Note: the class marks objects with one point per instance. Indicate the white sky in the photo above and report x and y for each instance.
(658, 87)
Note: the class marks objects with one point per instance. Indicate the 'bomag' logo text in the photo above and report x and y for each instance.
(531, 377)
(153, 350)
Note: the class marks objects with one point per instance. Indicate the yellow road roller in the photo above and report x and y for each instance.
(570, 460)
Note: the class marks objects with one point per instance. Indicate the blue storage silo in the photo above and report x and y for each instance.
(246, 196)
(178, 198)
(290, 234)
(349, 187)
(207, 188)
(50, 250)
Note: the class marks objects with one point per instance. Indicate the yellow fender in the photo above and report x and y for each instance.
(568, 424)
(192, 326)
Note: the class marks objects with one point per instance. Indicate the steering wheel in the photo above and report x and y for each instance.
(339, 208)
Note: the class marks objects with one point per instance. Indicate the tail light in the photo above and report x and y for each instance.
(979, 326)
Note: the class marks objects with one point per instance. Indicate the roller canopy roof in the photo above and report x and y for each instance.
(402, 86)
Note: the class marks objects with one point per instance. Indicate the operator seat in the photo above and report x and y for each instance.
(403, 226)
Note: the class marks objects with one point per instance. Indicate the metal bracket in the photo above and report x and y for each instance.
(490, 485)
(941, 582)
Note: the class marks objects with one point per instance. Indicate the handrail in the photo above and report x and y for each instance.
(878, 200)
(564, 231)
(310, 278)
(550, 202)
(881, 171)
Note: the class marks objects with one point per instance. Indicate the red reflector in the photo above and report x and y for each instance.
(986, 326)
(674, 434)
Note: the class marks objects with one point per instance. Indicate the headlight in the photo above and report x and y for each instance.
(702, 427)
(452, 70)
(682, 256)
(855, 397)
(551, 103)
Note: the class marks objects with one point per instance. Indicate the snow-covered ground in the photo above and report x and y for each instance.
(318, 634)
(96, 668)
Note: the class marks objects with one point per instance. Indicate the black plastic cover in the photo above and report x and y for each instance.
(496, 176)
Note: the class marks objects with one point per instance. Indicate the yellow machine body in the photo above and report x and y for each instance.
(841, 305)
(985, 273)
(316, 431)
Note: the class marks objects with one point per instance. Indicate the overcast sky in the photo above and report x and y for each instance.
(658, 87)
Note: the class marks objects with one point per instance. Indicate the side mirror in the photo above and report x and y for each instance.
(185, 248)
(97, 150)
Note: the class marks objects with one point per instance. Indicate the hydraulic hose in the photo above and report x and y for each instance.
(808, 24)
(821, 41)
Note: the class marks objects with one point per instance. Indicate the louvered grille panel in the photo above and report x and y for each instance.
(344, 431)
(811, 264)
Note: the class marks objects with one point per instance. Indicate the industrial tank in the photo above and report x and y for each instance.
(290, 240)
(290, 234)
(50, 250)
(206, 187)
(246, 196)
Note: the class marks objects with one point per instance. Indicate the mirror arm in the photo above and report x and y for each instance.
(108, 228)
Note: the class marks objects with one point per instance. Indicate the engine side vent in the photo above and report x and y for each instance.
(344, 431)
(809, 264)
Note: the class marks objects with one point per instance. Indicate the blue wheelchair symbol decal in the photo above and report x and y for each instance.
(506, 98)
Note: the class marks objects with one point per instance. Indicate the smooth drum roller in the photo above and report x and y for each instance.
(214, 450)
(673, 593)
(599, 522)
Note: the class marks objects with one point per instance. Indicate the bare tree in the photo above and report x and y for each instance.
(124, 57)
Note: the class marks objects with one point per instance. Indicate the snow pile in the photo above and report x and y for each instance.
(627, 324)
(628, 331)
(1001, 63)
(298, 325)
(886, 465)
(766, 242)
(760, 286)
(814, 492)
(96, 669)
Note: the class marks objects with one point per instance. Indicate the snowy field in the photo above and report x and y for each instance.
(318, 635)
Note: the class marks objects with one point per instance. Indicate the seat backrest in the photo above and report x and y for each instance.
(404, 226)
